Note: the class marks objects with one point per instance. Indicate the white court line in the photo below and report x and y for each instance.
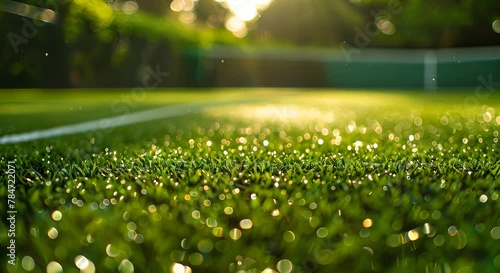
(112, 122)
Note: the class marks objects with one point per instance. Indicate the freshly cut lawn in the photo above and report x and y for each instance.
(255, 180)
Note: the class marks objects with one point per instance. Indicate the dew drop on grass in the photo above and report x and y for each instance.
(205, 246)
(427, 228)
(111, 250)
(284, 266)
(81, 262)
(452, 230)
(367, 223)
(131, 226)
(483, 198)
(417, 121)
(195, 214)
(289, 236)
(53, 233)
(235, 234)
(179, 268)
(211, 222)
(322, 232)
(363, 233)
(28, 263)
(218, 232)
(177, 255)
(54, 267)
(413, 235)
(126, 266)
(439, 240)
(393, 240)
(496, 261)
(246, 224)
(495, 233)
(228, 210)
(57, 215)
(196, 259)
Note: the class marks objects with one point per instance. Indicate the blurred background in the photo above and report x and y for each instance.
(420, 44)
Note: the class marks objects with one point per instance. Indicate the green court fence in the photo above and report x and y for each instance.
(354, 68)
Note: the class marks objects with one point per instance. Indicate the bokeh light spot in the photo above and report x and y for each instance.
(284, 266)
(28, 263)
(246, 224)
(56, 215)
(289, 236)
(54, 267)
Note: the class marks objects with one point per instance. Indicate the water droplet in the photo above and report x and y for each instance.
(393, 240)
(417, 121)
(452, 230)
(322, 232)
(131, 226)
(444, 120)
(483, 198)
(53, 233)
(196, 259)
(179, 268)
(205, 246)
(54, 267)
(413, 235)
(211, 222)
(81, 262)
(363, 233)
(57, 215)
(28, 263)
(89, 269)
(195, 214)
(126, 266)
(246, 224)
(235, 234)
(111, 250)
(275, 212)
(427, 228)
(218, 232)
(284, 266)
(495, 233)
(289, 236)
(177, 255)
(228, 210)
(367, 223)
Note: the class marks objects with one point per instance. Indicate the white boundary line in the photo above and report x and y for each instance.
(112, 122)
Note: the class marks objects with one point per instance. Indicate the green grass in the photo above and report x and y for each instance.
(330, 181)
